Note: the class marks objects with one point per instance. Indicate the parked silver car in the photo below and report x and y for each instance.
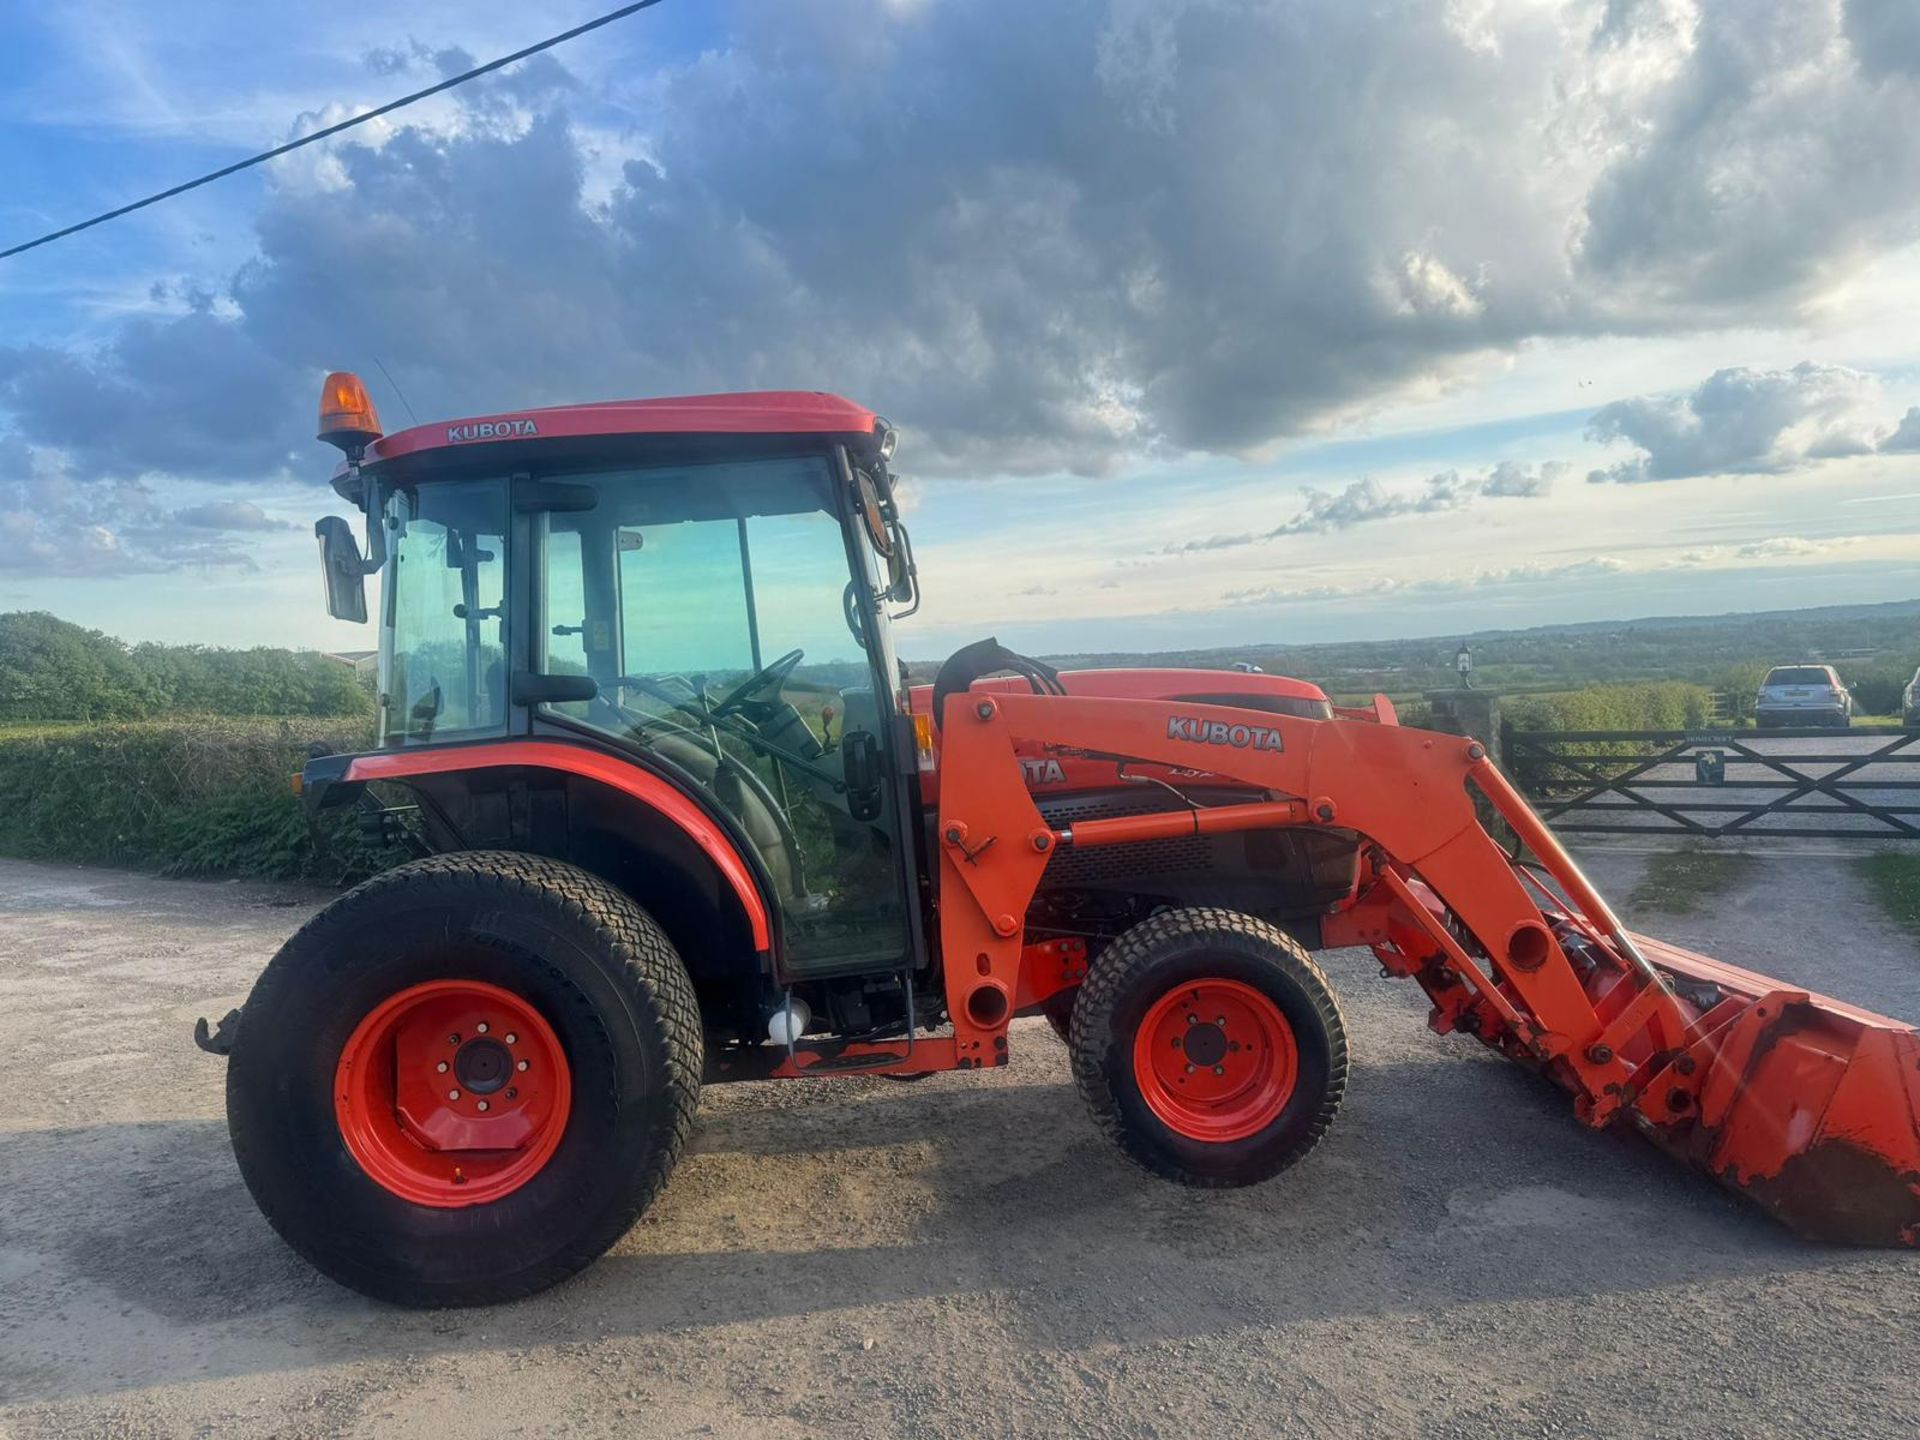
(1803, 695)
(1910, 703)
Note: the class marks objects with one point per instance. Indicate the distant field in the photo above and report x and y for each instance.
(1876, 649)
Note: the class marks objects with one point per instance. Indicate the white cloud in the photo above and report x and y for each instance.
(231, 515)
(1763, 164)
(1204, 224)
(1044, 237)
(1366, 500)
(1457, 582)
(1778, 547)
(1532, 573)
(1284, 595)
(1774, 547)
(1512, 480)
(1741, 421)
(53, 525)
(1906, 435)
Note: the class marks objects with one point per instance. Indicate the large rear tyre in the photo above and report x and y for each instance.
(1209, 1047)
(465, 1079)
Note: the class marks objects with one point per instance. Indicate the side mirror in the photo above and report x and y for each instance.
(860, 762)
(342, 569)
(903, 575)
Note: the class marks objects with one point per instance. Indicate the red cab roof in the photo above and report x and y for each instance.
(763, 412)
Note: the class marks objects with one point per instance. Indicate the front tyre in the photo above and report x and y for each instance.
(1209, 1047)
(465, 1079)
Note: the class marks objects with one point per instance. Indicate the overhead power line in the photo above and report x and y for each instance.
(392, 105)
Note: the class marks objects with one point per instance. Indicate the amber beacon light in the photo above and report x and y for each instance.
(347, 417)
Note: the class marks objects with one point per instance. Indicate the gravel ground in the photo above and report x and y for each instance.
(957, 1257)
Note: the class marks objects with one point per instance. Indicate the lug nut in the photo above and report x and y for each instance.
(512, 1039)
(1193, 1019)
(1221, 1021)
(521, 1066)
(481, 1027)
(454, 1039)
(484, 1106)
(441, 1067)
(1219, 1069)
(453, 1094)
(1189, 1069)
(512, 1094)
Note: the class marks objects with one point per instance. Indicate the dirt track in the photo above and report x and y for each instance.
(956, 1257)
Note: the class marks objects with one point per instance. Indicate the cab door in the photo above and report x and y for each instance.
(714, 607)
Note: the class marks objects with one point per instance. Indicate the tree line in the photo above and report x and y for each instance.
(54, 671)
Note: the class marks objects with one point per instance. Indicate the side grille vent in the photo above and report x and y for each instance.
(1181, 855)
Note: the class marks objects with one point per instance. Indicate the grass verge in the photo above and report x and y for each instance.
(1894, 879)
(1675, 884)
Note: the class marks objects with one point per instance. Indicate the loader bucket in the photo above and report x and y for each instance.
(1808, 1106)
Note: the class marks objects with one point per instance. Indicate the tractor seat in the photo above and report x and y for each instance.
(743, 796)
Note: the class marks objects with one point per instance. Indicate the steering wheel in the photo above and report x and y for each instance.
(774, 674)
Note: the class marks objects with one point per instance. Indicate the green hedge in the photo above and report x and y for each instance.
(1652, 705)
(1655, 705)
(185, 797)
(53, 671)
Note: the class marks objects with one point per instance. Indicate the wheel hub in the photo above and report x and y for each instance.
(483, 1066)
(1205, 1043)
(1215, 1060)
(452, 1093)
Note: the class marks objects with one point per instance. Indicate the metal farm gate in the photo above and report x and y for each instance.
(1857, 784)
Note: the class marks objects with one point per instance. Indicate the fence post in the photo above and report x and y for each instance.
(1473, 713)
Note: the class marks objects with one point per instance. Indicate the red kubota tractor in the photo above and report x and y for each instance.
(679, 818)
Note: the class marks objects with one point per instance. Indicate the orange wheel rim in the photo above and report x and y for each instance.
(1215, 1060)
(452, 1093)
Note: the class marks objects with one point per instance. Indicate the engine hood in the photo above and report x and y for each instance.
(1215, 687)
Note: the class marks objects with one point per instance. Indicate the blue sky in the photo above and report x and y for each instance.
(1205, 321)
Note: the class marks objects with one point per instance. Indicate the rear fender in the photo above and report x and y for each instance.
(622, 821)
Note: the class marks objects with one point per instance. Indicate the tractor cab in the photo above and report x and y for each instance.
(710, 604)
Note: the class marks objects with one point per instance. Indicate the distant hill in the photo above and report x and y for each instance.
(1865, 642)
(53, 670)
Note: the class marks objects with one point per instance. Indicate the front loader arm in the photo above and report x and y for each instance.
(1775, 1091)
(1405, 791)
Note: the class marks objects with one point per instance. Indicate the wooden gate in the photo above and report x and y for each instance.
(1856, 784)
